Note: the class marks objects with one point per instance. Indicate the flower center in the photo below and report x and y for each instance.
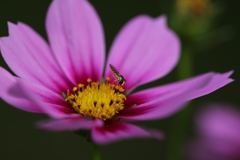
(98, 100)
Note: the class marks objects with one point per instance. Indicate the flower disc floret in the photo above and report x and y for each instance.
(98, 100)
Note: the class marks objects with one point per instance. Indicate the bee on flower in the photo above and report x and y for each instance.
(117, 75)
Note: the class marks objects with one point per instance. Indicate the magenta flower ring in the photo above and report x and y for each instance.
(73, 63)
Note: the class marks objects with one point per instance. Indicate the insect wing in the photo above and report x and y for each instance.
(114, 70)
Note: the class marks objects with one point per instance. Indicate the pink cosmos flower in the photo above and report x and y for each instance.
(73, 62)
(219, 134)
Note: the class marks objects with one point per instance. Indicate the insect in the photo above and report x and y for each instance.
(117, 75)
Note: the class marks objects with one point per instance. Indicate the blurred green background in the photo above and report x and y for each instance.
(20, 139)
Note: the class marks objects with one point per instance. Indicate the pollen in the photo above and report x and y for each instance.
(97, 99)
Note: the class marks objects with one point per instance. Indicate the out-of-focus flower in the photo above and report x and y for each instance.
(73, 63)
(219, 134)
(193, 8)
(195, 21)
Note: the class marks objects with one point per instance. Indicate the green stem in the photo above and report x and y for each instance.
(96, 152)
(178, 130)
(185, 66)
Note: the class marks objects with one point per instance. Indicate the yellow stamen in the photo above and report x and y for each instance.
(98, 100)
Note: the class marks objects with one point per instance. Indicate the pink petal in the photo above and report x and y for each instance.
(203, 84)
(145, 50)
(75, 122)
(22, 89)
(29, 56)
(115, 130)
(165, 100)
(6, 82)
(43, 94)
(158, 108)
(76, 37)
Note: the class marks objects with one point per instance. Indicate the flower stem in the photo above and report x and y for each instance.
(185, 66)
(178, 130)
(96, 152)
